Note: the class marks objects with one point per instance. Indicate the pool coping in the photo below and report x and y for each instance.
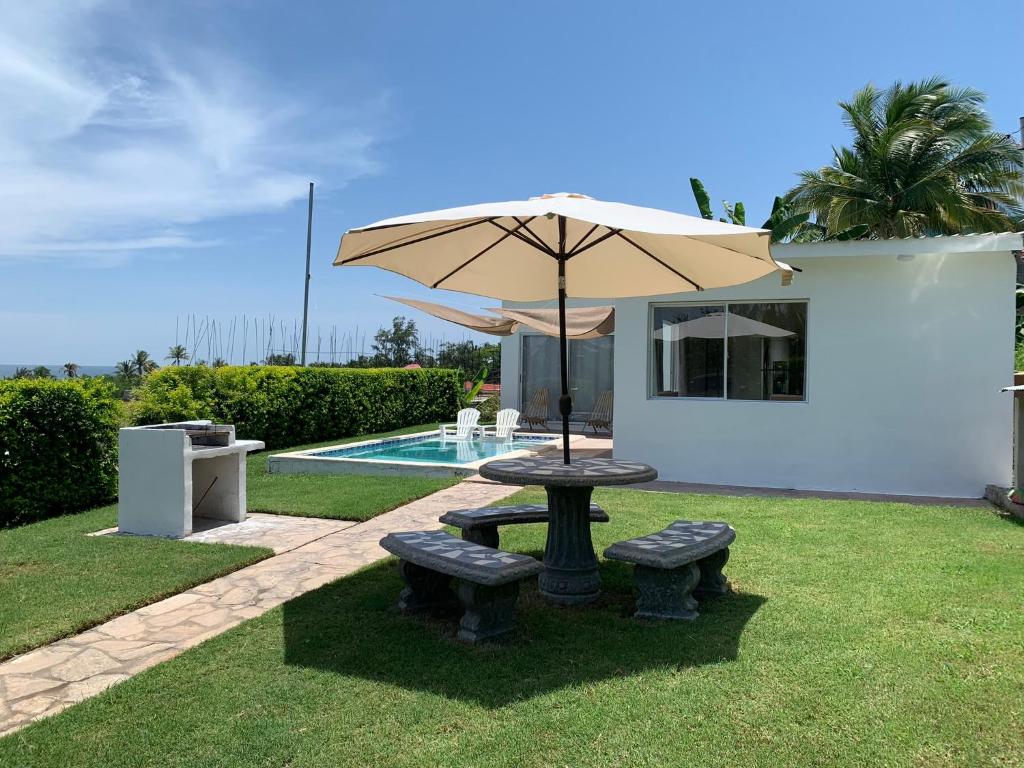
(306, 462)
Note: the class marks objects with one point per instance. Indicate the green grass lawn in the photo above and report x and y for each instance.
(343, 497)
(56, 581)
(860, 634)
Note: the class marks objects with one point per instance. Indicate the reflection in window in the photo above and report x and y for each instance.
(740, 351)
(688, 361)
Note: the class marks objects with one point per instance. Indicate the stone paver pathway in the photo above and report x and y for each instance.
(52, 678)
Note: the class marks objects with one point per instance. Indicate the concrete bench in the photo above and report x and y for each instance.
(481, 525)
(673, 565)
(487, 580)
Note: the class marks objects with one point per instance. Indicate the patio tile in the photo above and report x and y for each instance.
(34, 661)
(88, 663)
(38, 705)
(18, 687)
(83, 689)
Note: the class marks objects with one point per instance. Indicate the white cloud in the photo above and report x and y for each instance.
(103, 151)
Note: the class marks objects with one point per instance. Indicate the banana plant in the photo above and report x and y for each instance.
(478, 384)
(737, 213)
(785, 224)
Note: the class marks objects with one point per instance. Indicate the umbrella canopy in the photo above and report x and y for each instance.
(510, 250)
(496, 326)
(580, 322)
(561, 245)
(715, 325)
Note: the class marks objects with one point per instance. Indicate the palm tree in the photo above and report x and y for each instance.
(177, 354)
(924, 160)
(22, 373)
(125, 369)
(143, 363)
(71, 370)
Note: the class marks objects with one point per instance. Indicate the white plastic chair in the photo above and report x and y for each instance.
(507, 423)
(465, 425)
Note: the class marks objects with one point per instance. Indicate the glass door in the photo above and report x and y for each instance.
(591, 372)
(540, 371)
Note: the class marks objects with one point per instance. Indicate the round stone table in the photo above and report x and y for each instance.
(570, 575)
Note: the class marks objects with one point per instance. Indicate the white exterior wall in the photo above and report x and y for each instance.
(905, 360)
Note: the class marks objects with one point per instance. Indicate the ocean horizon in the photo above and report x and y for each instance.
(57, 369)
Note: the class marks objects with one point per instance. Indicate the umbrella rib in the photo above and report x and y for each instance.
(588, 233)
(510, 233)
(520, 236)
(591, 244)
(393, 246)
(671, 269)
(538, 238)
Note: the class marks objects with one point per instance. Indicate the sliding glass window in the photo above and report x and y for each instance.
(752, 351)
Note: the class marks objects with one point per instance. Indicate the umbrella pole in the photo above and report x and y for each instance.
(565, 401)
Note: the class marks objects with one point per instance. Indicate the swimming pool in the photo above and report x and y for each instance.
(424, 453)
(434, 449)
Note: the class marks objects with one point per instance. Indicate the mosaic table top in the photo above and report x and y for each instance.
(537, 470)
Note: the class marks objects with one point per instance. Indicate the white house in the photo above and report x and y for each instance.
(877, 370)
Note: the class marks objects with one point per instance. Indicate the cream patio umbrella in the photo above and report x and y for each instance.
(561, 245)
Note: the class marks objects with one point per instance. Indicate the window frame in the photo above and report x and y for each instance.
(724, 304)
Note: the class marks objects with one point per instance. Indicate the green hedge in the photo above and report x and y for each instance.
(58, 448)
(285, 406)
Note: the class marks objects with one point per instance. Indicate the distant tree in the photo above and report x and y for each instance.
(41, 372)
(924, 161)
(396, 346)
(143, 362)
(470, 358)
(490, 358)
(425, 357)
(177, 354)
(71, 370)
(22, 373)
(279, 358)
(362, 361)
(220, 362)
(125, 370)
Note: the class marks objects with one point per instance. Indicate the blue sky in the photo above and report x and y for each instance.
(154, 157)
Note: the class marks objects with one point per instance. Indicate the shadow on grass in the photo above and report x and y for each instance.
(351, 627)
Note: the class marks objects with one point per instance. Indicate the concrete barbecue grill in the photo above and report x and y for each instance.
(171, 473)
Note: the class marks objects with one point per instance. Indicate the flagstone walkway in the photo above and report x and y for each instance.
(310, 554)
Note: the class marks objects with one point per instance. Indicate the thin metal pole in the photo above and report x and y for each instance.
(305, 297)
(565, 401)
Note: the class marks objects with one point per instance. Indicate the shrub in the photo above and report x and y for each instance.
(58, 447)
(285, 406)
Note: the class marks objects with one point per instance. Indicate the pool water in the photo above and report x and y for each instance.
(433, 450)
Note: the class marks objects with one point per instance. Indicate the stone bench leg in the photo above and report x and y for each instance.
(666, 593)
(489, 612)
(712, 581)
(486, 535)
(426, 591)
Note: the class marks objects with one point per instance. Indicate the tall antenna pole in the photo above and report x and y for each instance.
(305, 298)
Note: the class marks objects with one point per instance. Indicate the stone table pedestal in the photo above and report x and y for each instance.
(570, 575)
